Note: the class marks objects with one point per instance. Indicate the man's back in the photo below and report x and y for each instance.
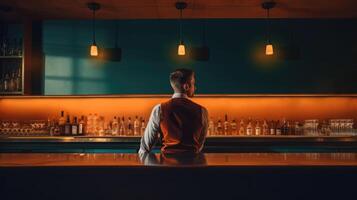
(181, 123)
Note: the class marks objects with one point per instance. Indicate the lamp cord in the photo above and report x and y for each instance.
(93, 23)
(268, 24)
(180, 26)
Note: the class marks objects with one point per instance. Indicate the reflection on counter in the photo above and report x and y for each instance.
(208, 159)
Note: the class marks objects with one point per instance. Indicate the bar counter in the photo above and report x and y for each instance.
(209, 176)
(221, 144)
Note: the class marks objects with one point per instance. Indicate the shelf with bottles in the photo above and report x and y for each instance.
(11, 81)
(11, 47)
(97, 125)
(283, 127)
(11, 60)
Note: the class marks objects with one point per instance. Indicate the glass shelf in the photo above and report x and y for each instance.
(10, 57)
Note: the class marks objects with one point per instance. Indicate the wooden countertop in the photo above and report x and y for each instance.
(204, 160)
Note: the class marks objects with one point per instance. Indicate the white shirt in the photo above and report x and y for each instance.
(153, 127)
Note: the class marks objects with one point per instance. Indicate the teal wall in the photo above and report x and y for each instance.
(237, 64)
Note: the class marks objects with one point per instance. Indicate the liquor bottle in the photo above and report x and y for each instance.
(142, 128)
(51, 126)
(12, 83)
(278, 128)
(115, 126)
(67, 126)
(241, 127)
(6, 83)
(130, 127)
(136, 126)
(219, 127)
(95, 121)
(122, 128)
(258, 129)
(56, 131)
(101, 126)
(81, 126)
(249, 128)
(61, 123)
(234, 127)
(285, 128)
(19, 80)
(211, 127)
(272, 127)
(226, 125)
(74, 129)
(291, 128)
(265, 128)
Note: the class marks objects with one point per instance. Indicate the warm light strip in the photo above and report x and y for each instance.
(261, 107)
(169, 95)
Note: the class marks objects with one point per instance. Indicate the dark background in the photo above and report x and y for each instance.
(237, 64)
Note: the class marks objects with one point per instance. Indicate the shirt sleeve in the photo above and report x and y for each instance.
(204, 129)
(151, 131)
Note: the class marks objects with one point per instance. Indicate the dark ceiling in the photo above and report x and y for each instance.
(164, 9)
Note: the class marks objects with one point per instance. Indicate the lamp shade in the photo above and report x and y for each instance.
(269, 50)
(181, 50)
(93, 50)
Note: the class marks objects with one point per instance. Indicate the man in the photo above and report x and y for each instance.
(181, 122)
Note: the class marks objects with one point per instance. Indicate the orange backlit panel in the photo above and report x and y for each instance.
(297, 107)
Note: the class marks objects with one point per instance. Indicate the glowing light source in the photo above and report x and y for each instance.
(181, 49)
(269, 50)
(94, 50)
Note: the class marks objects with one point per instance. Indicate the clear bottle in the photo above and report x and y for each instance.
(6, 83)
(278, 128)
(122, 129)
(89, 128)
(272, 128)
(249, 128)
(211, 127)
(136, 126)
(265, 128)
(19, 80)
(258, 128)
(67, 126)
(115, 126)
(101, 126)
(95, 124)
(74, 130)
(143, 126)
(234, 127)
(61, 123)
(82, 126)
(12, 83)
(241, 127)
(130, 127)
(219, 127)
(285, 127)
(226, 125)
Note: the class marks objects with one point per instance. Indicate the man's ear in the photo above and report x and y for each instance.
(186, 87)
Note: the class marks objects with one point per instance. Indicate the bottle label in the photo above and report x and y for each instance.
(74, 130)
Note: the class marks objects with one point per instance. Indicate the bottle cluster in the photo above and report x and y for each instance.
(11, 76)
(10, 46)
(96, 125)
(256, 127)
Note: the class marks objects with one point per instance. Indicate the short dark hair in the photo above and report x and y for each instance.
(180, 77)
